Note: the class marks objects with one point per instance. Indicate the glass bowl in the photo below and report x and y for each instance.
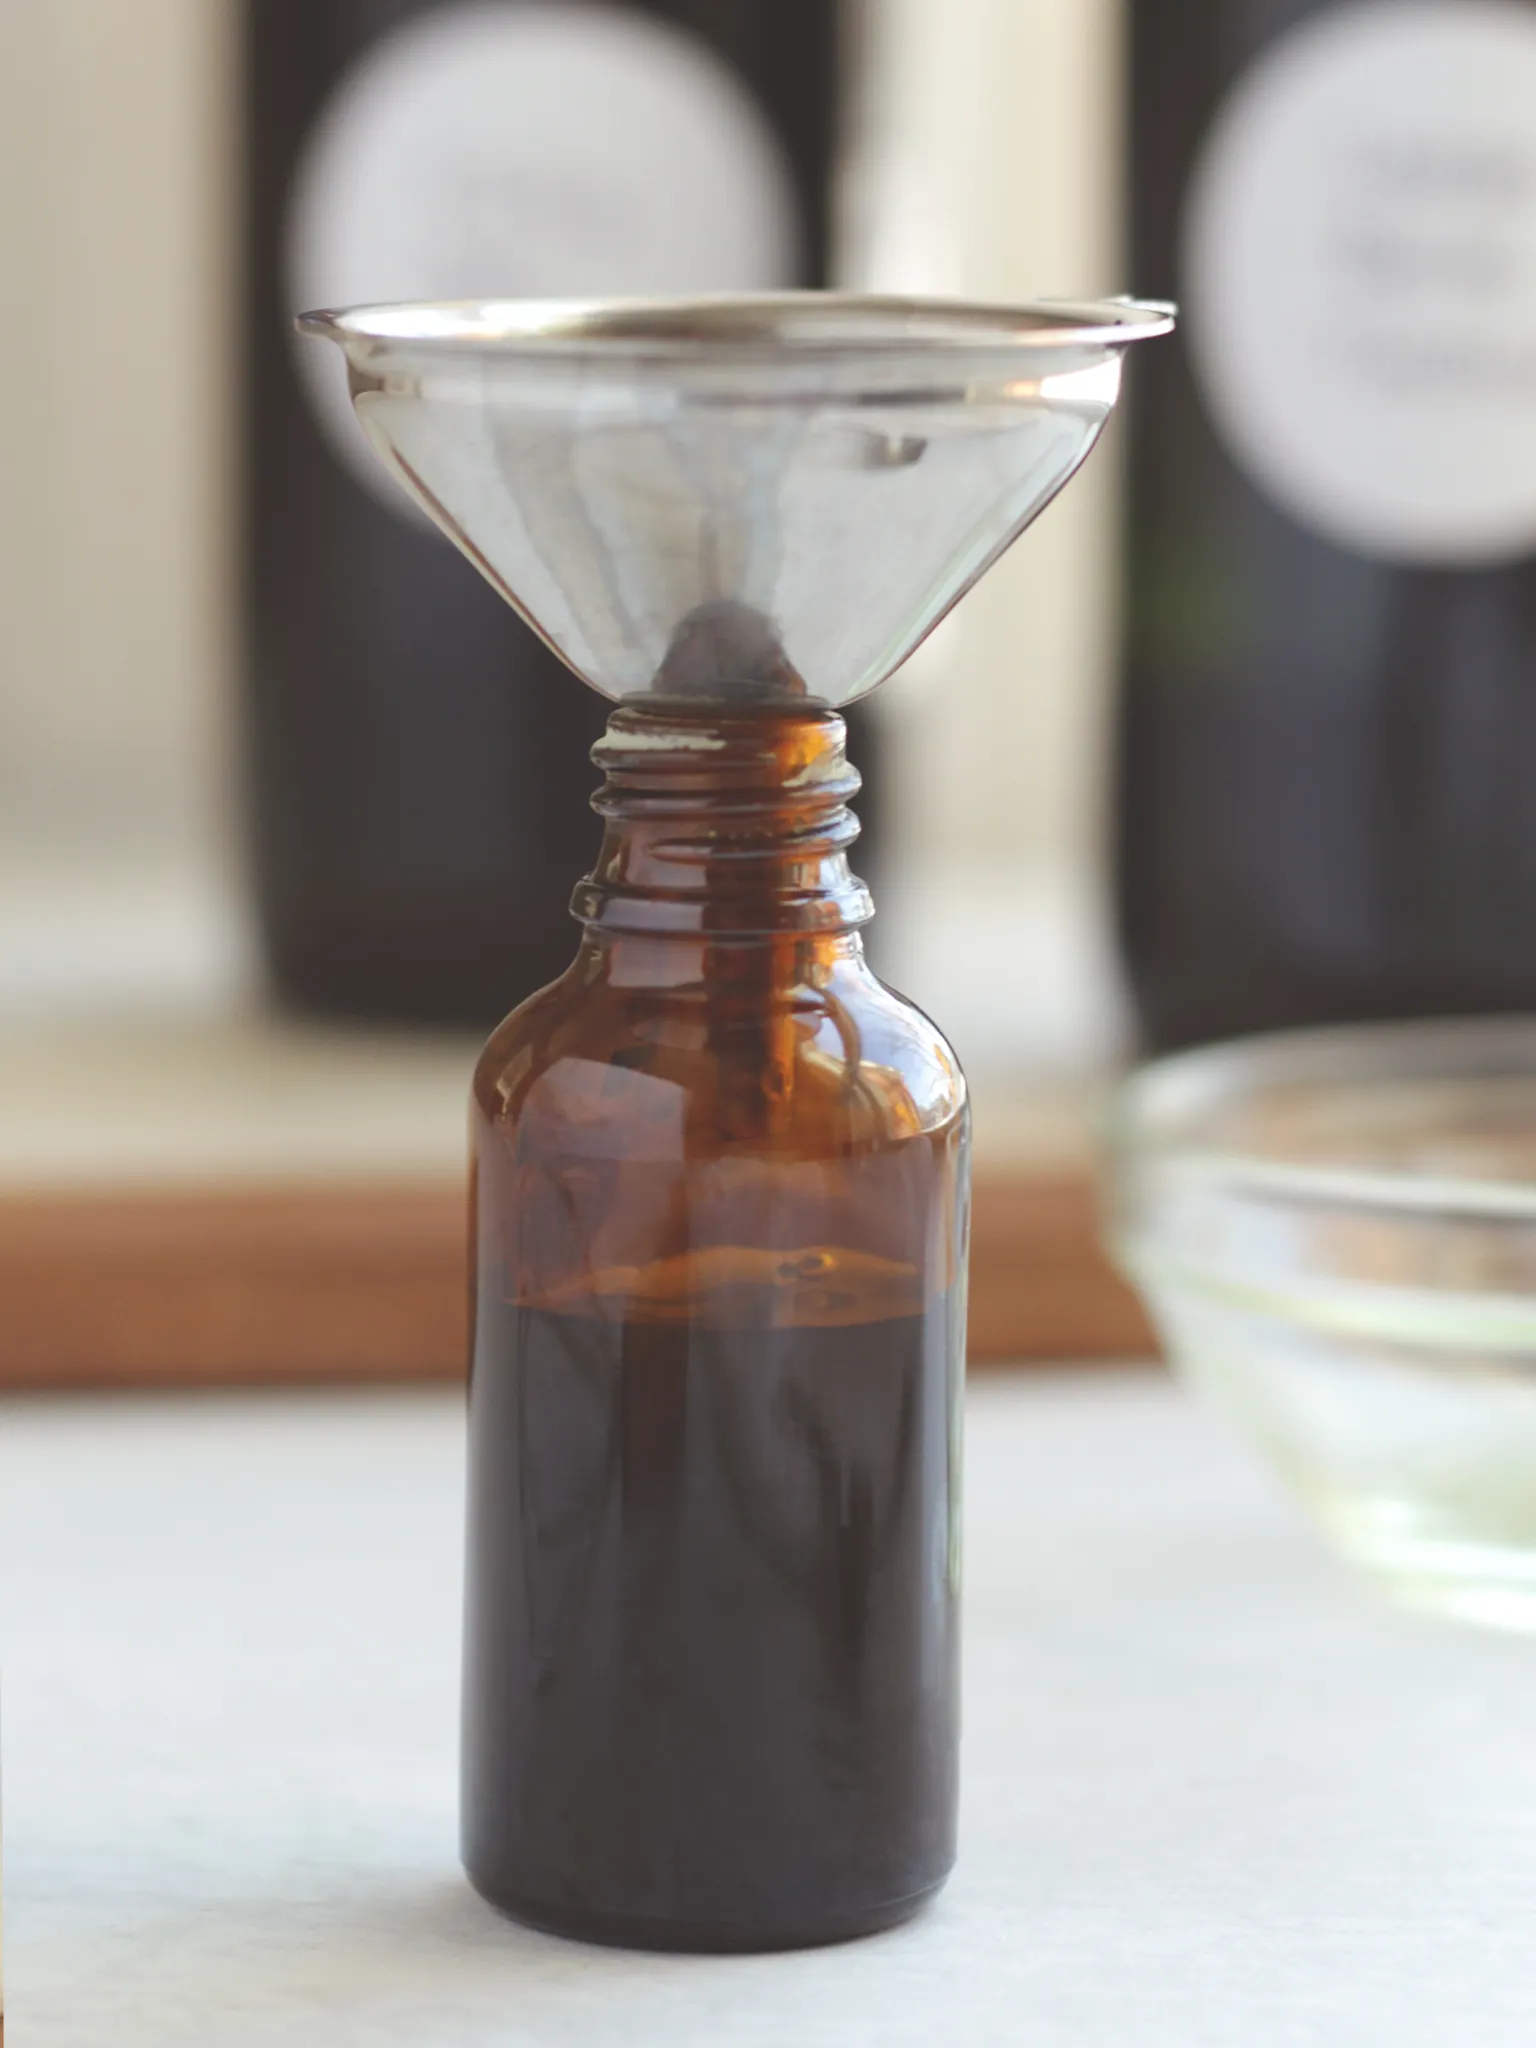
(1335, 1232)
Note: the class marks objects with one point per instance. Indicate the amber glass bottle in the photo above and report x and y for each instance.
(721, 1199)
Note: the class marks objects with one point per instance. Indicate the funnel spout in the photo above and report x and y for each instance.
(727, 652)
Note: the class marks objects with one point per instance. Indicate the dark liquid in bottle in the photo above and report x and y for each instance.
(712, 1631)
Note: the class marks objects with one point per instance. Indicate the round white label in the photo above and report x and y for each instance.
(524, 149)
(1360, 277)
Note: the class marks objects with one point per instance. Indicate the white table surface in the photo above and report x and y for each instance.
(1213, 1792)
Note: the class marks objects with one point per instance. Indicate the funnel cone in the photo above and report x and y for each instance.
(735, 499)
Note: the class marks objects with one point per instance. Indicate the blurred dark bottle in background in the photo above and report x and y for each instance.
(1327, 778)
(419, 767)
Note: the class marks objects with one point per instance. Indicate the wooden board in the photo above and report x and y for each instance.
(364, 1282)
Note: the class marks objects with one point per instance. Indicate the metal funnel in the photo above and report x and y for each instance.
(734, 499)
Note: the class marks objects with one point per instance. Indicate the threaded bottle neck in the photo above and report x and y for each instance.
(730, 825)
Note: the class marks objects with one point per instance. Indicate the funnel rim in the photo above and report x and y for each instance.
(743, 326)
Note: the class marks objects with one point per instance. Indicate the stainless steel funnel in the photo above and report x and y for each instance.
(735, 499)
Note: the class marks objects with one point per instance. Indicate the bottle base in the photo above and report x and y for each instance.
(704, 1937)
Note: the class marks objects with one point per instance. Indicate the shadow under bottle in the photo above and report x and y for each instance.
(721, 1197)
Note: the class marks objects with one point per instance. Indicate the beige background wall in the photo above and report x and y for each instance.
(114, 536)
(988, 166)
(984, 164)
(992, 168)
(114, 516)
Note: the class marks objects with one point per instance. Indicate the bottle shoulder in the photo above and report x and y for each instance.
(837, 1064)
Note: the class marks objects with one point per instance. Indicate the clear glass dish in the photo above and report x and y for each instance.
(1335, 1232)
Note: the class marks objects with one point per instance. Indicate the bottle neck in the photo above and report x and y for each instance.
(730, 827)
